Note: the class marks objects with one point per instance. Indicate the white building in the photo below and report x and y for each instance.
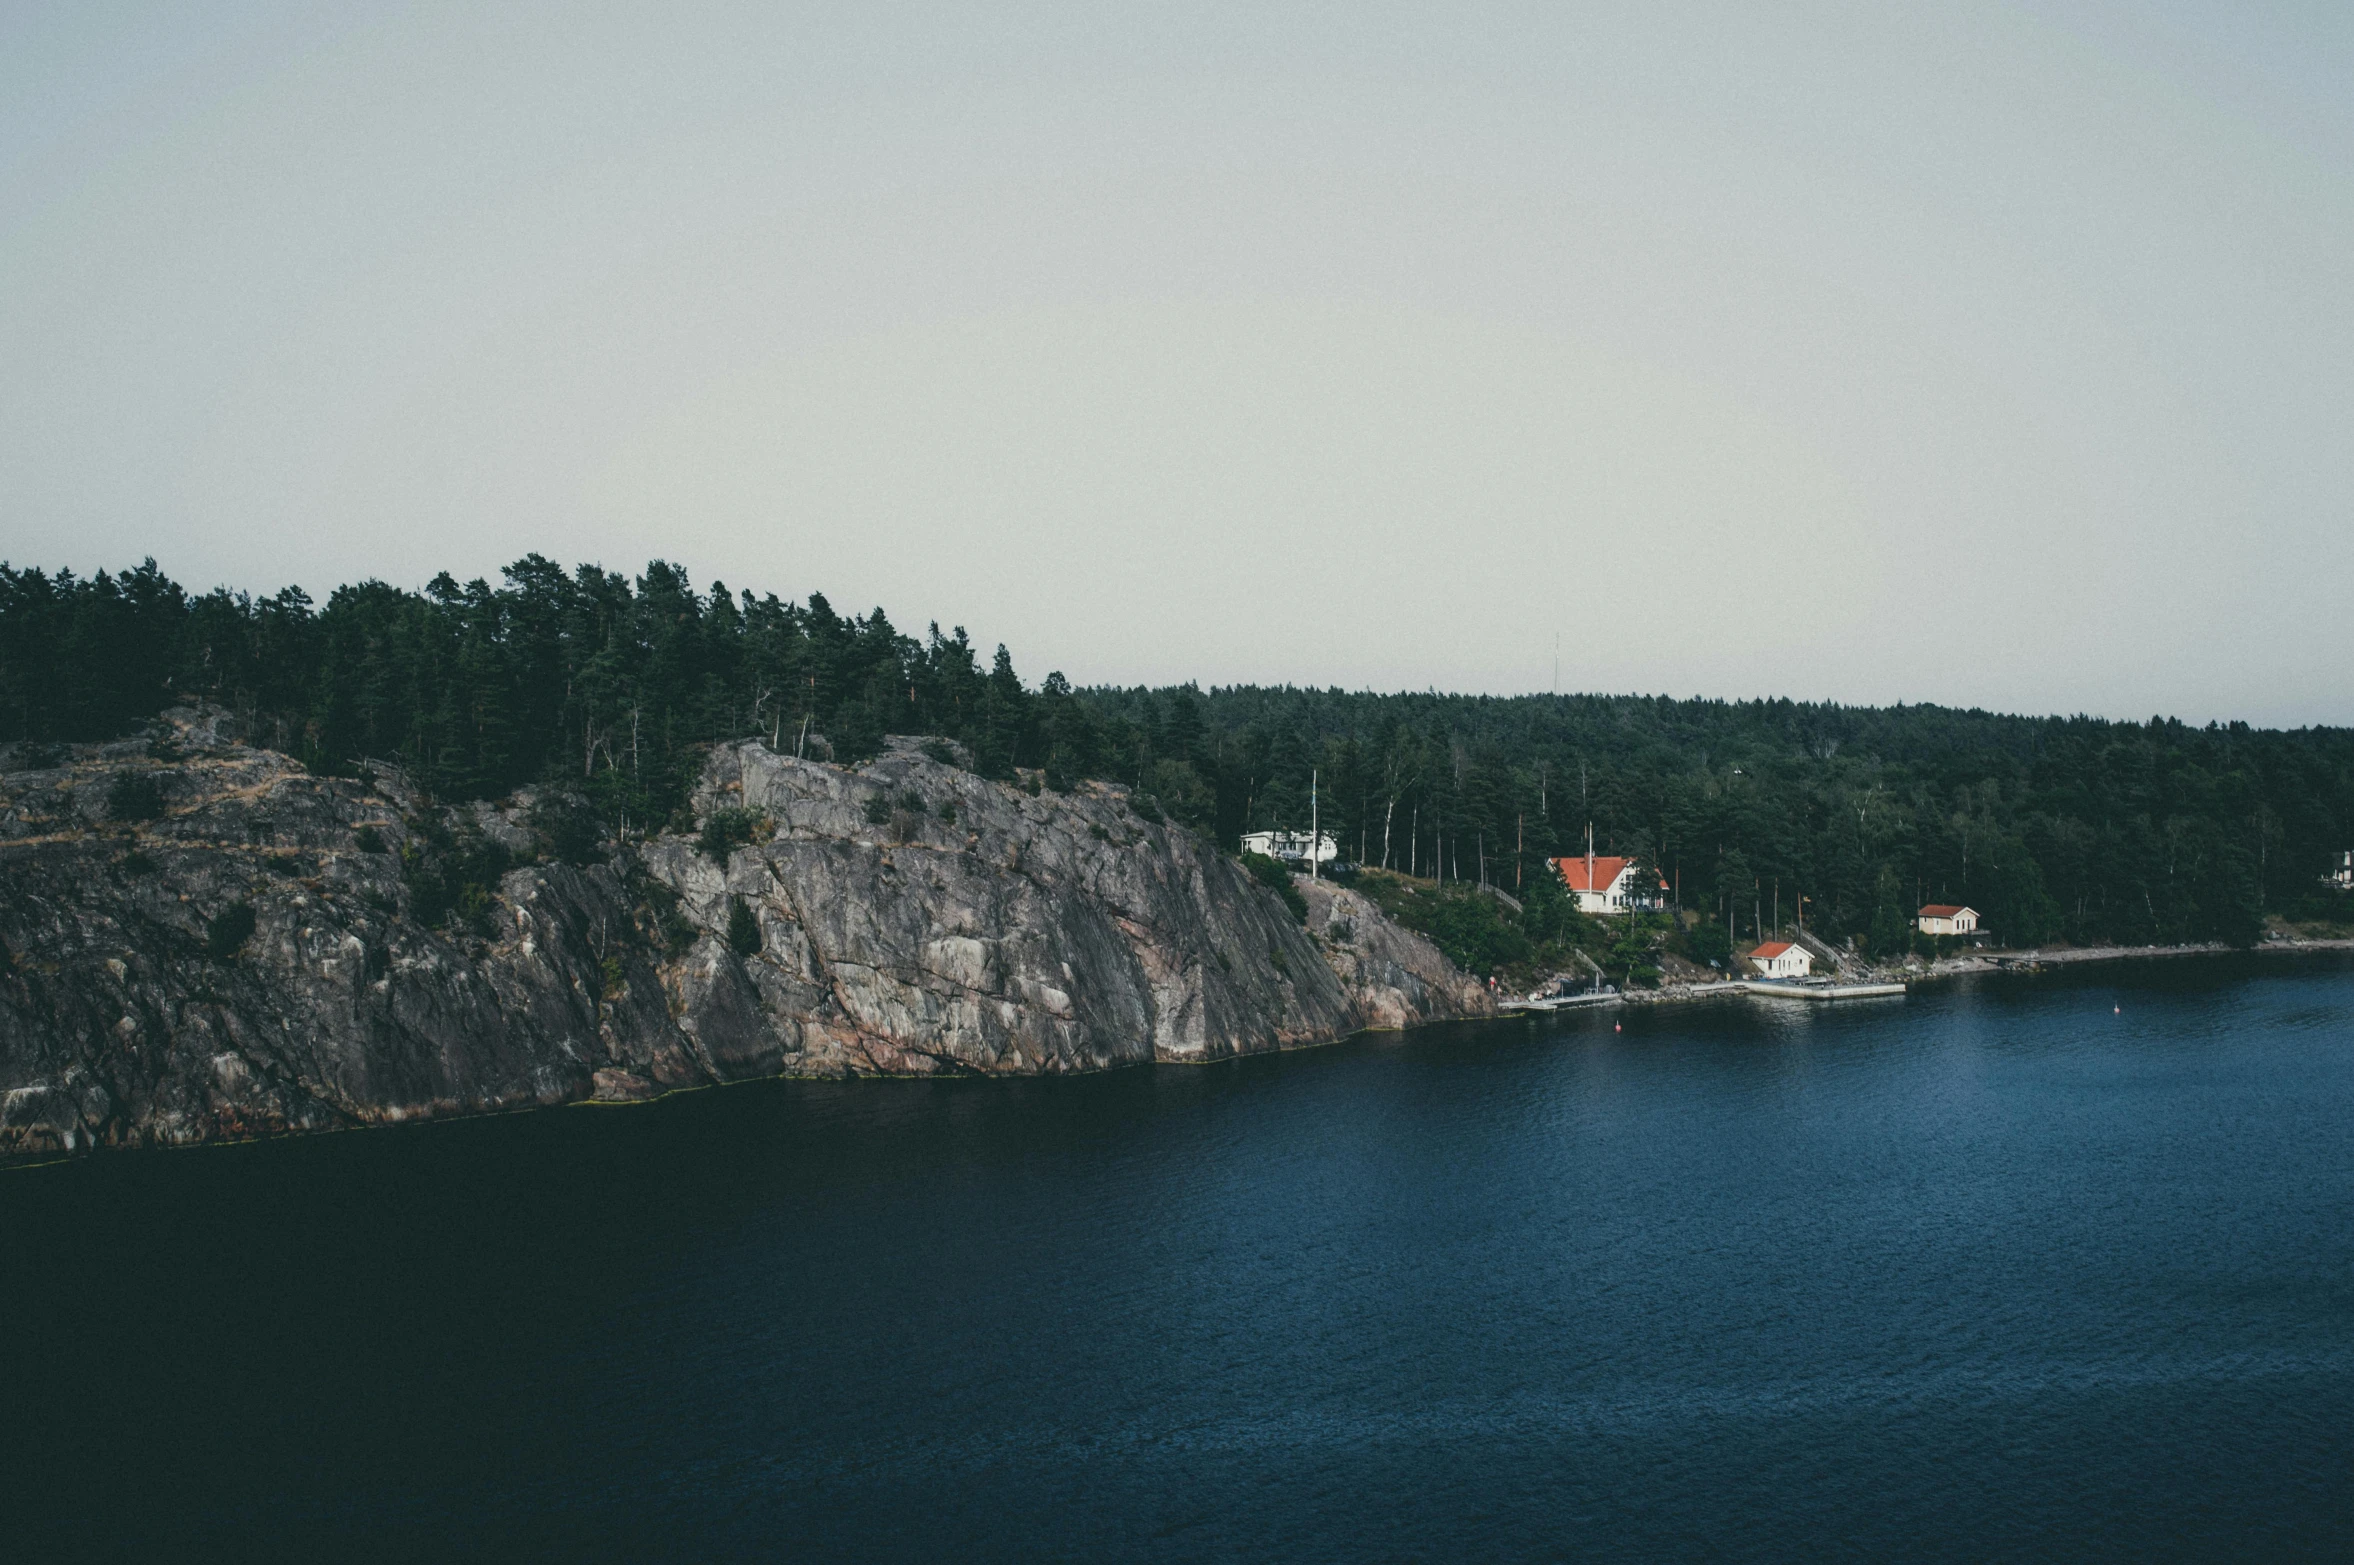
(2343, 876)
(1940, 918)
(1781, 959)
(1608, 886)
(1291, 847)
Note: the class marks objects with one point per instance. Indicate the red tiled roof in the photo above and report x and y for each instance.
(1770, 949)
(1942, 910)
(1606, 871)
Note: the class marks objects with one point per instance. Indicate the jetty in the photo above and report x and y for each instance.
(1769, 988)
(1785, 991)
(1565, 1002)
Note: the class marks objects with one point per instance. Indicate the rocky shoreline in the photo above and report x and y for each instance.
(247, 949)
(2030, 961)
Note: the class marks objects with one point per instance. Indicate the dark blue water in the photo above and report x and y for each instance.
(1991, 1272)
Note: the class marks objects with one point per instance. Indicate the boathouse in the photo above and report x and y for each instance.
(1782, 959)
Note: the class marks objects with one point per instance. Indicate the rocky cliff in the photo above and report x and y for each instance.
(200, 940)
(1395, 977)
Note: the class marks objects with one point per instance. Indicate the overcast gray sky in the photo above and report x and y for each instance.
(1988, 354)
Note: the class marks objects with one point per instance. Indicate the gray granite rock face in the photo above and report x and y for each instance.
(912, 918)
(1395, 976)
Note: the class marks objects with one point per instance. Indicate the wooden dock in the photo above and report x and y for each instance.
(1567, 1002)
(1781, 991)
(1769, 988)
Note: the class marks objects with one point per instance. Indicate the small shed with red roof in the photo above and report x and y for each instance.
(1782, 959)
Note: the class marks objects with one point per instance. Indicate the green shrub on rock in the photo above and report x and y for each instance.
(743, 928)
(567, 829)
(451, 876)
(1277, 879)
(726, 830)
(1708, 942)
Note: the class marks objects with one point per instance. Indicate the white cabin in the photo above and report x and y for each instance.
(1782, 959)
(1291, 847)
(1940, 918)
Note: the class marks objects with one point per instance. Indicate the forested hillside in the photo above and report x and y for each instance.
(2070, 828)
(2054, 828)
(586, 677)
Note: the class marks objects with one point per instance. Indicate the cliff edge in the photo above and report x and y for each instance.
(200, 940)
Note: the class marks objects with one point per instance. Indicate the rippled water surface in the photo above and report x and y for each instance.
(2049, 1268)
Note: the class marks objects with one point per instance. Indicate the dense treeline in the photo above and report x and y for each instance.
(2053, 828)
(584, 677)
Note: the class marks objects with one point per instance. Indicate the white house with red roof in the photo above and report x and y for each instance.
(1782, 959)
(1943, 918)
(1608, 886)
